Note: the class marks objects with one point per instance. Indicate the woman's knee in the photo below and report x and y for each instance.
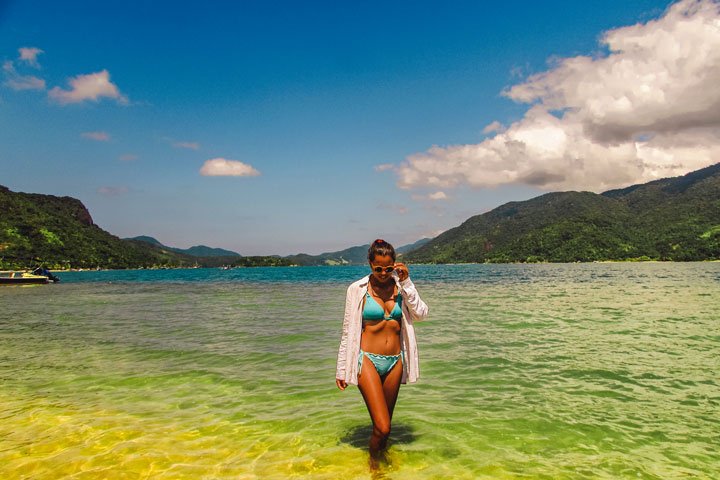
(382, 429)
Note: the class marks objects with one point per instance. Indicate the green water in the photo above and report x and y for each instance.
(529, 372)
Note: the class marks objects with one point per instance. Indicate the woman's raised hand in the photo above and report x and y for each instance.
(402, 271)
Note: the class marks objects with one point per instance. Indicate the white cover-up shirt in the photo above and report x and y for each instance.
(413, 309)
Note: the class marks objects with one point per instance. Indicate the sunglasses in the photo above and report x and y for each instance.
(380, 269)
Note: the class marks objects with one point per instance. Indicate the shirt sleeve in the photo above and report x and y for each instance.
(342, 351)
(417, 308)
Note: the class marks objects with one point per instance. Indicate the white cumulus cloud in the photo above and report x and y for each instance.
(431, 196)
(220, 167)
(493, 127)
(649, 108)
(16, 81)
(29, 55)
(93, 86)
(25, 82)
(97, 136)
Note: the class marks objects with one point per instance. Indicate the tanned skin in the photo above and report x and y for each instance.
(382, 337)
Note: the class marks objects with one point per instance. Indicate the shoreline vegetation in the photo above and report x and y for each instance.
(672, 219)
(644, 259)
(629, 260)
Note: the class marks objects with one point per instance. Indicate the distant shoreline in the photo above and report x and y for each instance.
(360, 265)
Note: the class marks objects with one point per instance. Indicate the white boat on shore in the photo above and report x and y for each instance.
(21, 278)
(38, 276)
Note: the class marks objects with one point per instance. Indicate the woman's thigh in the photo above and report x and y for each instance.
(391, 386)
(371, 388)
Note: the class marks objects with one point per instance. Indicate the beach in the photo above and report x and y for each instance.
(559, 371)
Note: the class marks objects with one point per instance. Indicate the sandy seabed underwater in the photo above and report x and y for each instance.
(527, 372)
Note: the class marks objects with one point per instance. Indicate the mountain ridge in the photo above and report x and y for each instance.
(674, 218)
(667, 219)
(194, 251)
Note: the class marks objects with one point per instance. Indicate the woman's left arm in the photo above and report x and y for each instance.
(417, 308)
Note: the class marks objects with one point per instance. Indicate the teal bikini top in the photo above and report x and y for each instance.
(374, 311)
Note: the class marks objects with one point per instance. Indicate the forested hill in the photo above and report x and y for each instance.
(58, 232)
(669, 219)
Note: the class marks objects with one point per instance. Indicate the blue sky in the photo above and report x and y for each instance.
(328, 124)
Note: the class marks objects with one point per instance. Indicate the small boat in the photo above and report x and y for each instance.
(44, 272)
(21, 278)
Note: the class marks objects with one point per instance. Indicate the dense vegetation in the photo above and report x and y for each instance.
(59, 233)
(670, 219)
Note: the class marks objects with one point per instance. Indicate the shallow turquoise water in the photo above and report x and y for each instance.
(527, 371)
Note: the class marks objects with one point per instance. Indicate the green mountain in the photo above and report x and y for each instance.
(59, 232)
(413, 246)
(350, 256)
(196, 251)
(669, 219)
(150, 240)
(204, 251)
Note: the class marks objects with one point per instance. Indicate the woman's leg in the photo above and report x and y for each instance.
(391, 386)
(371, 387)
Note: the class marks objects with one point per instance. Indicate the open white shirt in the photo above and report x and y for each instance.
(413, 309)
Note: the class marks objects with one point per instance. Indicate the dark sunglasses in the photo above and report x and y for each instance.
(380, 269)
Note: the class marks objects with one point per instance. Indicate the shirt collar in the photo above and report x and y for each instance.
(366, 279)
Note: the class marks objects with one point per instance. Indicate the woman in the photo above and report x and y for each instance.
(378, 350)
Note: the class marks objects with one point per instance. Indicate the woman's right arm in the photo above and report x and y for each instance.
(342, 351)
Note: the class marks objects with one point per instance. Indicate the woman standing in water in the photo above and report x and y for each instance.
(378, 350)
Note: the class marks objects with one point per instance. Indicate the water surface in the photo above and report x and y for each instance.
(527, 371)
